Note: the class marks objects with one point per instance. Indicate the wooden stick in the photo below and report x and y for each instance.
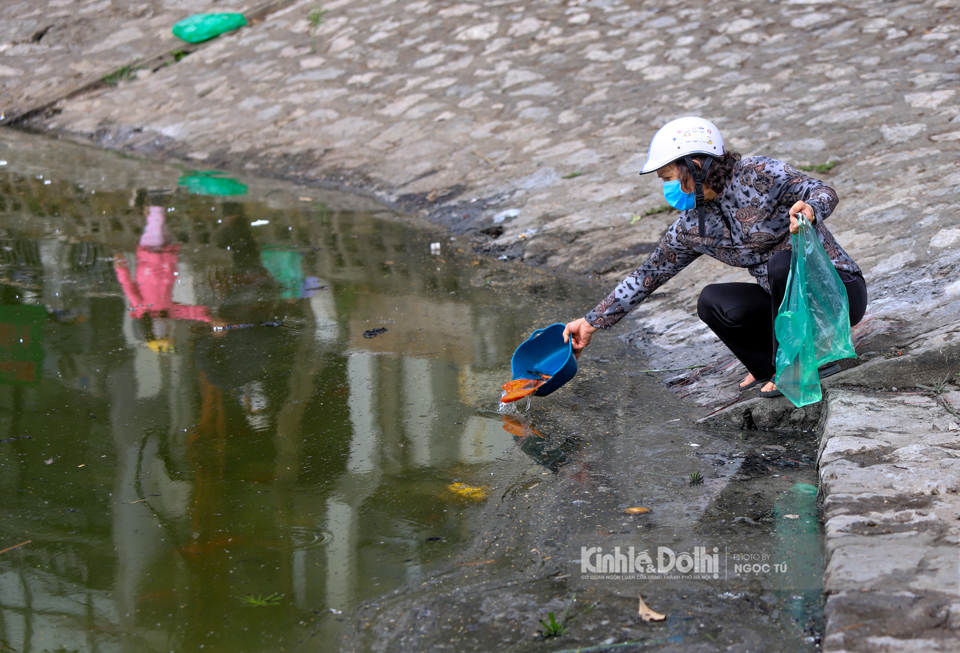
(485, 158)
(11, 548)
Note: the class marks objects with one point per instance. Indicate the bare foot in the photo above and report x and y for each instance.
(747, 381)
(769, 387)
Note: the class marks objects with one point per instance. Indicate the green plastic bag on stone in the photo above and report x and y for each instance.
(203, 27)
(813, 322)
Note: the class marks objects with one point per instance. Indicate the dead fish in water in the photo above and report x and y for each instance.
(373, 333)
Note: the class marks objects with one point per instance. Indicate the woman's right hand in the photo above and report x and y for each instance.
(582, 331)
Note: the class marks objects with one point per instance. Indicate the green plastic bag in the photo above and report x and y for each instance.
(210, 183)
(203, 27)
(813, 322)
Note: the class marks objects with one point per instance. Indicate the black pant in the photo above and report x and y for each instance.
(742, 314)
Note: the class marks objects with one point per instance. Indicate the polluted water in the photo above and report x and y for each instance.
(246, 416)
(233, 412)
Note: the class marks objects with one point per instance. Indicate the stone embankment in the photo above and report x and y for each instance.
(526, 123)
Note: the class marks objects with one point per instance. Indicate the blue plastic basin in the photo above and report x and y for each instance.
(545, 352)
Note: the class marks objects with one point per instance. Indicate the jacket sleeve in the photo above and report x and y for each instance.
(130, 288)
(662, 265)
(196, 313)
(798, 186)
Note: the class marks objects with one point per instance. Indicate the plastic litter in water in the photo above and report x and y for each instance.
(435, 249)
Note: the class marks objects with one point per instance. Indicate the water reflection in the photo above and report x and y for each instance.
(192, 416)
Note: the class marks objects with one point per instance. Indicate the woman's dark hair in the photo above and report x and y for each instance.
(719, 174)
(146, 197)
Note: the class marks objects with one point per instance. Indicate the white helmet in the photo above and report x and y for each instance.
(682, 137)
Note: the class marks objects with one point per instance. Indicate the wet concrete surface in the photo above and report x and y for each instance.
(630, 452)
(525, 126)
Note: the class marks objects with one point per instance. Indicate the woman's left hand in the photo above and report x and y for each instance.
(806, 210)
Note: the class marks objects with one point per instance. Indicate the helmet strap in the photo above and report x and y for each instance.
(698, 177)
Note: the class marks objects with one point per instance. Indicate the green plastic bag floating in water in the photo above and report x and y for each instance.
(813, 323)
(203, 27)
(209, 183)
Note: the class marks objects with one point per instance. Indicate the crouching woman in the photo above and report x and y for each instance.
(740, 212)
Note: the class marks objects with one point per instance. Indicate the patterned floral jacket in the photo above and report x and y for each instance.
(745, 225)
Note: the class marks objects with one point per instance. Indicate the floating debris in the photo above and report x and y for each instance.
(22, 437)
(232, 327)
(471, 492)
(649, 615)
(373, 333)
(637, 510)
(260, 601)
(15, 546)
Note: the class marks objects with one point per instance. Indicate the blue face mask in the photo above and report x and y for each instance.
(675, 196)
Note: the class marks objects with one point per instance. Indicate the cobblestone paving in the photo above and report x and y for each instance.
(49, 47)
(529, 121)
